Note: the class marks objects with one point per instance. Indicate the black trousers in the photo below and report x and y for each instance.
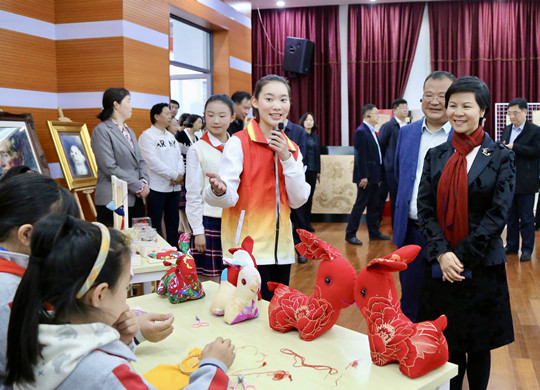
(273, 273)
(311, 179)
(365, 197)
(165, 204)
(105, 216)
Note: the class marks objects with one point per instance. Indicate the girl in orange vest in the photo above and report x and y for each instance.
(261, 177)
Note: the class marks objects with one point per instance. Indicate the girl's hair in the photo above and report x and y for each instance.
(266, 80)
(64, 250)
(221, 97)
(191, 119)
(304, 117)
(25, 198)
(109, 97)
(14, 171)
(182, 118)
(471, 84)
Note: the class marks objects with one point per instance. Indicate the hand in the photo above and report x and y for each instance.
(179, 179)
(144, 192)
(127, 326)
(363, 183)
(200, 243)
(155, 327)
(220, 349)
(510, 146)
(451, 267)
(217, 184)
(318, 177)
(279, 144)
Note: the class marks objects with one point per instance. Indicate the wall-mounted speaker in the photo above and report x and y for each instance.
(298, 56)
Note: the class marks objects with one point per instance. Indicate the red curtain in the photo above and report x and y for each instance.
(319, 92)
(499, 42)
(382, 42)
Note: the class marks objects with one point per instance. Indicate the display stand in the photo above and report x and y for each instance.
(119, 195)
(88, 192)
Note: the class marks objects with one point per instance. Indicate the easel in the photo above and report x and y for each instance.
(119, 195)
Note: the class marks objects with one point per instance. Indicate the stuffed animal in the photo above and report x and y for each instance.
(418, 348)
(334, 287)
(243, 303)
(181, 283)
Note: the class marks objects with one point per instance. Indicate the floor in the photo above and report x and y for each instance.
(515, 366)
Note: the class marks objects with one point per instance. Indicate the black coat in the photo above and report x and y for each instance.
(297, 134)
(388, 137)
(527, 150)
(367, 162)
(478, 309)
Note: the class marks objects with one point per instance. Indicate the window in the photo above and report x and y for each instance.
(190, 65)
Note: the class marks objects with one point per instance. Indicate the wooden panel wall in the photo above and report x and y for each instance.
(146, 68)
(76, 11)
(153, 14)
(37, 9)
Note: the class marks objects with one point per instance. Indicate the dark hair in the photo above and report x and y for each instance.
(471, 84)
(14, 171)
(69, 204)
(266, 80)
(396, 103)
(439, 75)
(191, 119)
(109, 97)
(27, 198)
(156, 110)
(182, 119)
(304, 117)
(520, 102)
(64, 250)
(220, 97)
(239, 96)
(366, 108)
(174, 102)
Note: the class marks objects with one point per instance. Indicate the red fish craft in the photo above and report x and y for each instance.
(418, 348)
(313, 315)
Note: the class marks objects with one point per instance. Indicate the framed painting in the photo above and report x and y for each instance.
(19, 144)
(72, 143)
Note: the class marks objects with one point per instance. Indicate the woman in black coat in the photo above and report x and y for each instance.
(464, 196)
(312, 161)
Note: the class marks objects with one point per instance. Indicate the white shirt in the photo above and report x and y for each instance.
(400, 123)
(232, 165)
(195, 185)
(163, 158)
(429, 140)
(374, 134)
(515, 132)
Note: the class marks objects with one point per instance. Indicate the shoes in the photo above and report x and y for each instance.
(310, 229)
(302, 260)
(353, 240)
(525, 256)
(510, 251)
(379, 237)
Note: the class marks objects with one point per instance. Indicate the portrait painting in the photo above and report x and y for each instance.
(75, 154)
(19, 144)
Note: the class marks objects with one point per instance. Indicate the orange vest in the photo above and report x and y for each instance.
(260, 212)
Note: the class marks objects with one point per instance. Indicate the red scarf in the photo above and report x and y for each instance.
(9, 267)
(207, 139)
(453, 190)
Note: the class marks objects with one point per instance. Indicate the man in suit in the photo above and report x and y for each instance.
(297, 134)
(367, 174)
(414, 141)
(242, 106)
(523, 137)
(388, 136)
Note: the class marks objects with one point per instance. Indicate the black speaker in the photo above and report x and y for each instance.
(298, 56)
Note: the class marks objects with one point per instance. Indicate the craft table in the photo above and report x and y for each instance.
(344, 350)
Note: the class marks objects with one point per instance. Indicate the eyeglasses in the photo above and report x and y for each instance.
(514, 113)
(428, 98)
(402, 108)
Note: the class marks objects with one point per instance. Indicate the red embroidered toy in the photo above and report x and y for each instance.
(418, 348)
(334, 287)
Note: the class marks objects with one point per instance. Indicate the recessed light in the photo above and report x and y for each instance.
(280, 3)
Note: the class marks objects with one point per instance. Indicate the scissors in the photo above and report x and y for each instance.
(199, 323)
(241, 385)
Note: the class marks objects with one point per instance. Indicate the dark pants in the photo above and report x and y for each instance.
(412, 279)
(538, 212)
(365, 197)
(273, 273)
(521, 220)
(165, 204)
(392, 187)
(383, 194)
(298, 222)
(311, 179)
(105, 216)
(477, 365)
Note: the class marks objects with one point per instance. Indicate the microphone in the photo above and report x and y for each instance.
(280, 126)
(278, 206)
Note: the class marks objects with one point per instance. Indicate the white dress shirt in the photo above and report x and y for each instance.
(376, 138)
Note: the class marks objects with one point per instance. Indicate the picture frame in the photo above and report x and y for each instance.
(72, 143)
(19, 143)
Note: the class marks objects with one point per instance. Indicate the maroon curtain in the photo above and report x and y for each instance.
(319, 92)
(382, 42)
(499, 42)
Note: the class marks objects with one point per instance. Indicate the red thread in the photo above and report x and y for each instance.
(353, 364)
(331, 370)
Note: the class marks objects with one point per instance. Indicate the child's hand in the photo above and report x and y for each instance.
(220, 349)
(217, 184)
(200, 243)
(155, 327)
(127, 326)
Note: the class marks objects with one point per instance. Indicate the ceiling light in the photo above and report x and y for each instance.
(280, 3)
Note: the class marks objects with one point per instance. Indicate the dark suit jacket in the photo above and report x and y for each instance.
(388, 137)
(317, 152)
(297, 134)
(491, 189)
(527, 150)
(366, 156)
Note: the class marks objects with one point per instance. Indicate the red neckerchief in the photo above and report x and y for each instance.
(453, 190)
(9, 267)
(207, 139)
